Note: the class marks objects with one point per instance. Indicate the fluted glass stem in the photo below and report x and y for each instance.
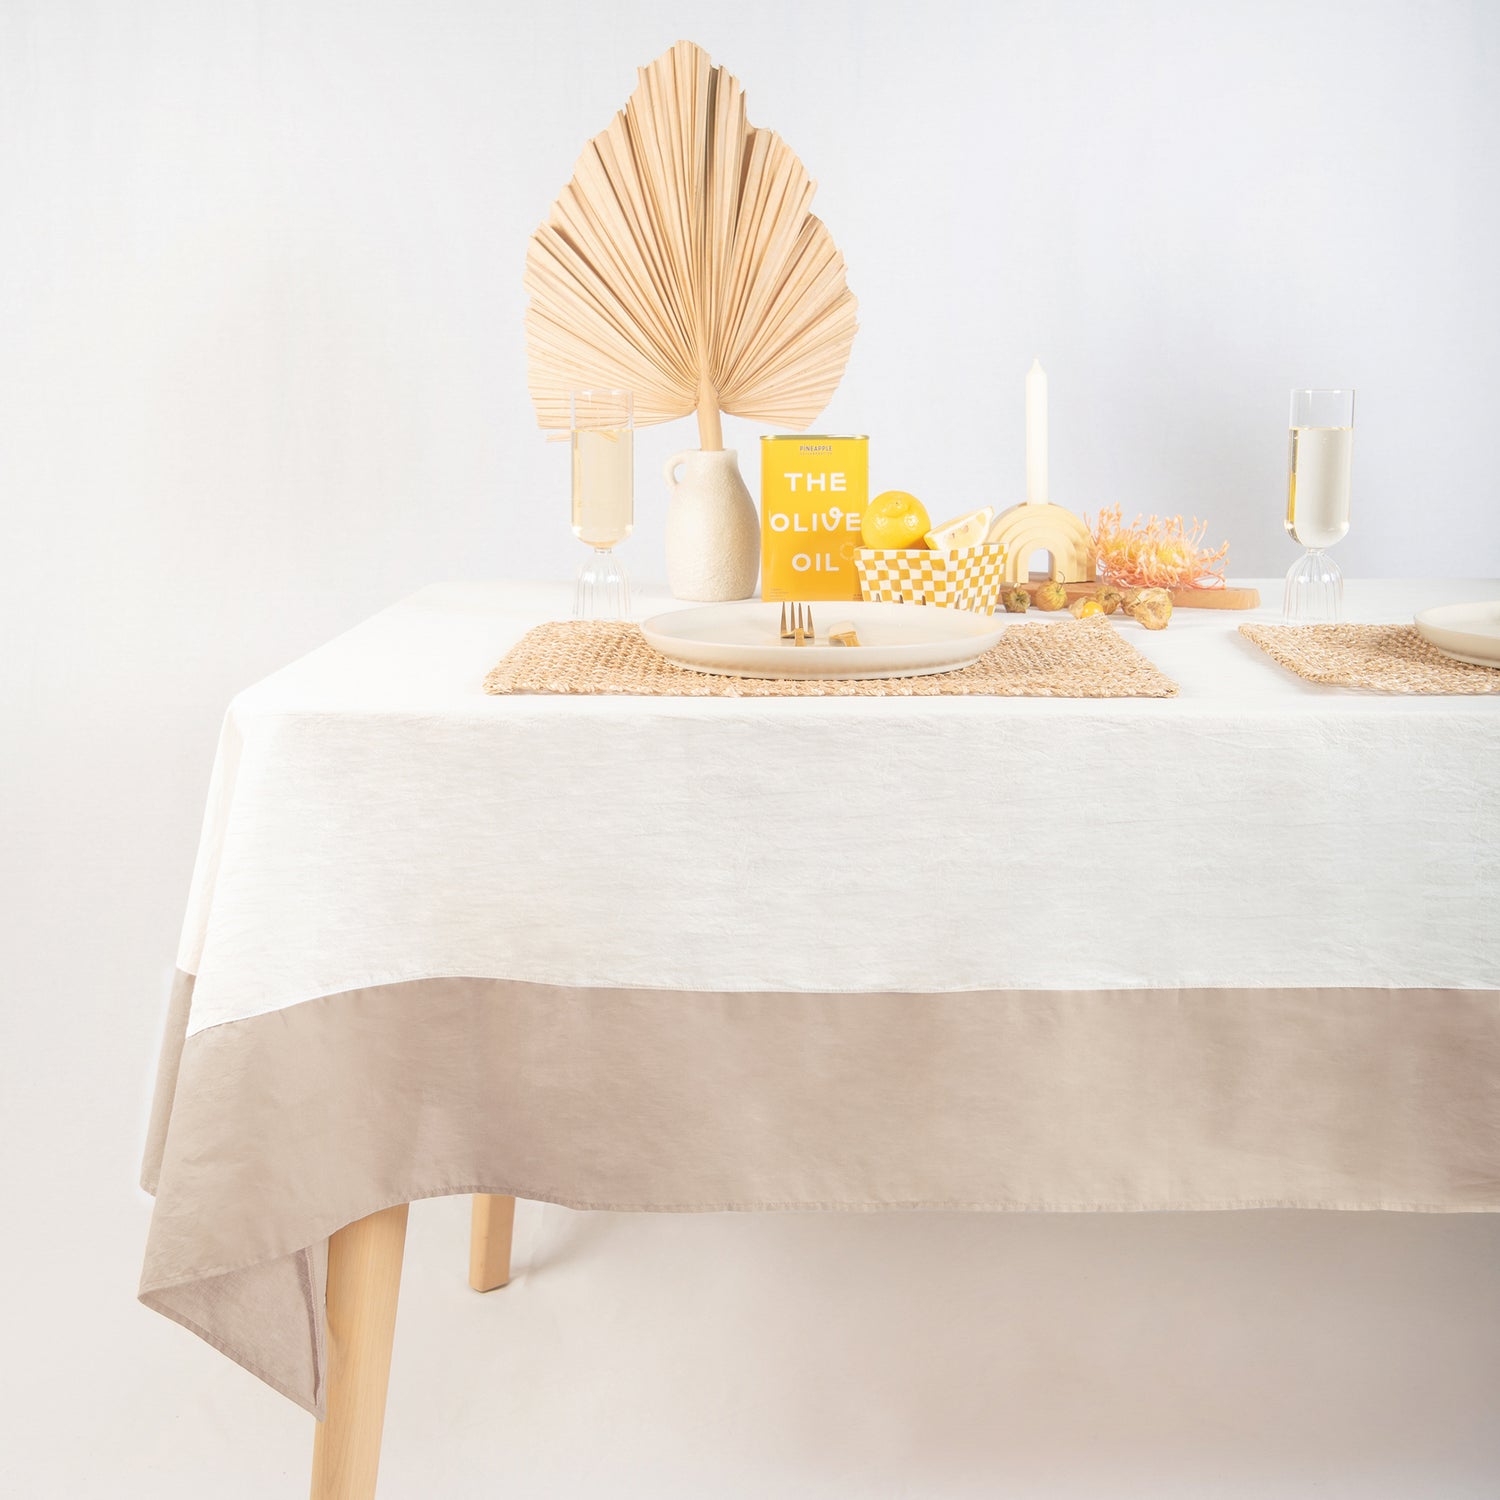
(603, 589)
(1314, 590)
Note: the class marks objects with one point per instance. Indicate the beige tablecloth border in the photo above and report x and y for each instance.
(273, 1132)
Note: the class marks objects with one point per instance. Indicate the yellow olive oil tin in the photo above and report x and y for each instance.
(813, 489)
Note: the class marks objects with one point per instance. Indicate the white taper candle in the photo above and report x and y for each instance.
(1036, 434)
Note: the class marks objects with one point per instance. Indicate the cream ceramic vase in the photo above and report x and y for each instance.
(713, 532)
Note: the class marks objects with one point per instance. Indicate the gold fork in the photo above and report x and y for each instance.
(798, 627)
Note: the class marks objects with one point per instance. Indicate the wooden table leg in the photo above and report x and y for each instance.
(489, 1241)
(364, 1280)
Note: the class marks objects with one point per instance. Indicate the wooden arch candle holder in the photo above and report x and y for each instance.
(1024, 530)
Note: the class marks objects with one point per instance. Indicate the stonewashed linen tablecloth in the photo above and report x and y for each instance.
(1234, 949)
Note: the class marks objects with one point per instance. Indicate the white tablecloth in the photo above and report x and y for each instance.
(1228, 949)
(375, 818)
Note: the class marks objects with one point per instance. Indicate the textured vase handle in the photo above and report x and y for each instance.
(670, 471)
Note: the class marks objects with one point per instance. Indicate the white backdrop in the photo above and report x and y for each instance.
(261, 371)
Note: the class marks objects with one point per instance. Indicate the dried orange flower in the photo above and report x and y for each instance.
(1156, 553)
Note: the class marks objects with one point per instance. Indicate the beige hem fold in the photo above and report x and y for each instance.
(270, 1133)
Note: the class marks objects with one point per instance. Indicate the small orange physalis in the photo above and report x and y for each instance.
(1156, 553)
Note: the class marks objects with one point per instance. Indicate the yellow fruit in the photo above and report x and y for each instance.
(1016, 600)
(964, 531)
(1152, 608)
(894, 520)
(1086, 609)
(1051, 596)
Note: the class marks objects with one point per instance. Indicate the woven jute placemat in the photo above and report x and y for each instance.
(1066, 660)
(1381, 658)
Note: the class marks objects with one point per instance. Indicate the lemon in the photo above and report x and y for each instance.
(964, 531)
(894, 520)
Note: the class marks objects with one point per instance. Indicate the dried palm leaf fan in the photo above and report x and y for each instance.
(681, 263)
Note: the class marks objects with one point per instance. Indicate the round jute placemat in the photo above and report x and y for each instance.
(1381, 658)
(1070, 659)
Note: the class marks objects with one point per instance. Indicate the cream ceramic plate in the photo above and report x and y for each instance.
(896, 640)
(1468, 632)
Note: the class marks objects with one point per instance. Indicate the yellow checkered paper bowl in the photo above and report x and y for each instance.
(951, 580)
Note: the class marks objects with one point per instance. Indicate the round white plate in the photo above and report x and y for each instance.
(1469, 632)
(896, 640)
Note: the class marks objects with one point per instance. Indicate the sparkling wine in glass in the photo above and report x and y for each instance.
(603, 443)
(1317, 502)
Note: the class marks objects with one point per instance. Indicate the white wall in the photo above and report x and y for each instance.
(261, 372)
(264, 261)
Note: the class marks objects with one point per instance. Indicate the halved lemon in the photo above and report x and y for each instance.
(964, 531)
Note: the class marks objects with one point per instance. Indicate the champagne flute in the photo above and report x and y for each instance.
(603, 441)
(1317, 502)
